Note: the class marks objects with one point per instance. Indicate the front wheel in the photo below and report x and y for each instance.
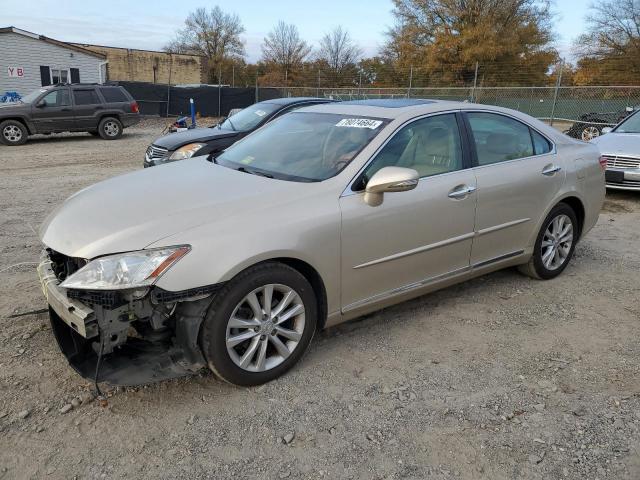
(110, 128)
(554, 245)
(589, 132)
(259, 324)
(13, 132)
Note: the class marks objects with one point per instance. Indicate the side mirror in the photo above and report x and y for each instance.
(607, 130)
(389, 179)
(41, 104)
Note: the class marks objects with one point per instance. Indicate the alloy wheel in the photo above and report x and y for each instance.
(265, 327)
(12, 133)
(556, 242)
(589, 133)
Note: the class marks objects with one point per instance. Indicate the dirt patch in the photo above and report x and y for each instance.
(501, 377)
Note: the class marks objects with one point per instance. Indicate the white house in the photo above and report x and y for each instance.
(29, 61)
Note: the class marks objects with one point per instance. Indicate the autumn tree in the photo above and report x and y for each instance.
(610, 49)
(283, 51)
(443, 40)
(213, 34)
(339, 53)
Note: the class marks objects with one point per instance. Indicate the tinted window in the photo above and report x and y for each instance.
(499, 138)
(430, 146)
(113, 94)
(57, 98)
(302, 146)
(540, 144)
(85, 97)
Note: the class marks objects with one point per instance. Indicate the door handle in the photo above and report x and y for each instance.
(461, 191)
(550, 170)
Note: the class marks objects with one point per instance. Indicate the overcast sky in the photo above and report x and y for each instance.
(147, 24)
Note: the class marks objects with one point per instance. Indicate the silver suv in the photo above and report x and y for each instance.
(327, 213)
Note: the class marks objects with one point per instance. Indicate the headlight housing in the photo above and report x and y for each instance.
(186, 151)
(126, 270)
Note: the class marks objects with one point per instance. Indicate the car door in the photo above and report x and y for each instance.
(87, 106)
(413, 237)
(53, 112)
(518, 174)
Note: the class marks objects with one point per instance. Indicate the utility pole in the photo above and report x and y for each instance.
(410, 81)
(257, 85)
(233, 76)
(318, 89)
(359, 83)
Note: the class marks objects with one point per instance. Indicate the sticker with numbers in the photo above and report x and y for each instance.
(359, 123)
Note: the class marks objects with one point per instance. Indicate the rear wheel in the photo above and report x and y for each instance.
(110, 128)
(13, 132)
(589, 132)
(259, 324)
(554, 245)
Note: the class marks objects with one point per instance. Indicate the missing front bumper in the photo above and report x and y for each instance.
(139, 359)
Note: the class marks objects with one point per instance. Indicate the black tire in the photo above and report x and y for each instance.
(213, 332)
(13, 133)
(536, 268)
(110, 128)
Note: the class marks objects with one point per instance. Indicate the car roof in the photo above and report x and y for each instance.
(387, 108)
(293, 100)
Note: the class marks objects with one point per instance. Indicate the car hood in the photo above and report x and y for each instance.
(178, 139)
(619, 144)
(134, 210)
(17, 106)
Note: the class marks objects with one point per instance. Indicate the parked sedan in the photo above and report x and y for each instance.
(203, 141)
(323, 215)
(620, 148)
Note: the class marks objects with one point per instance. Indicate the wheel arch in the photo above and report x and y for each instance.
(23, 121)
(578, 207)
(308, 271)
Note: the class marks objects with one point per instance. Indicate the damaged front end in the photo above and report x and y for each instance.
(136, 336)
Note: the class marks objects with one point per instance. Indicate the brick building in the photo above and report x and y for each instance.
(130, 64)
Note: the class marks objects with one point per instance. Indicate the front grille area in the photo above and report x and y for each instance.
(156, 153)
(64, 266)
(615, 161)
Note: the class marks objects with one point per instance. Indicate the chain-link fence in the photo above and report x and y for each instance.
(580, 111)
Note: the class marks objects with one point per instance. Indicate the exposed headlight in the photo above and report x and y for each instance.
(186, 151)
(126, 270)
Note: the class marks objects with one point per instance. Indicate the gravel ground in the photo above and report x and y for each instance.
(501, 377)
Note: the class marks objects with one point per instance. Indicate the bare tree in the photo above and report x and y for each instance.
(610, 50)
(284, 48)
(213, 34)
(613, 29)
(338, 50)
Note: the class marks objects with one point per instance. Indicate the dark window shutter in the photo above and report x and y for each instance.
(45, 76)
(75, 75)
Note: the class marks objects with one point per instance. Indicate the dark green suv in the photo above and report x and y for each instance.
(98, 109)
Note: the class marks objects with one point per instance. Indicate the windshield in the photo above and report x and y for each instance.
(301, 146)
(630, 125)
(250, 117)
(29, 98)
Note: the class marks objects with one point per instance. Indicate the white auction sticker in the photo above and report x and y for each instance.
(359, 123)
(260, 113)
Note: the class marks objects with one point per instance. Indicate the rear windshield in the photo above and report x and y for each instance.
(303, 146)
(113, 94)
(250, 117)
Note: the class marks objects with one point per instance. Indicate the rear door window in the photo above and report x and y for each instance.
(113, 95)
(499, 138)
(86, 97)
(540, 144)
